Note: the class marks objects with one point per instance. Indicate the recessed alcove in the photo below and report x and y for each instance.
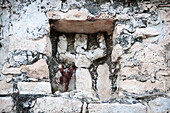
(80, 45)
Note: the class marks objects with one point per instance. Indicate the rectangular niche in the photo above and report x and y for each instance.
(79, 47)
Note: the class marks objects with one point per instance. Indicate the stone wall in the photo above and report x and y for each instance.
(82, 56)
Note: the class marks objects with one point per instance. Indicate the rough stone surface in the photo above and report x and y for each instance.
(80, 43)
(5, 88)
(101, 40)
(62, 44)
(146, 32)
(34, 87)
(42, 45)
(159, 105)
(10, 70)
(30, 26)
(116, 52)
(22, 57)
(71, 15)
(138, 62)
(128, 71)
(103, 82)
(83, 79)
(57, 105)
(6, 104)
(82, 61)
(37, 70)
(98, 53)
(85, 95)
(116, 108)
(68, 57)
(135, 86)
(144, 66)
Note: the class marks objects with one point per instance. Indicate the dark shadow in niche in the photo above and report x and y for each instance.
(0, 45)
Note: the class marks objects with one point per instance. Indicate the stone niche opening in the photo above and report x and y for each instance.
(81, 55)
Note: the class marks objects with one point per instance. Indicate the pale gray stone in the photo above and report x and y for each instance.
(116, 52)
(42, 45)
(146, 32)
(6, 104)
(57, 93)
(9, 78)
(68, 57)
(34, 87)
(159, 105)
(5, 88)
(29, 25)
(10, 70)
(82, 61)
(83, 80)
(95, 54)
(101, 41)
(57, 105)
(103, 82)
(74, 14)
(62, 44)
(135, 86)
(116, 108)
(65, 94)
(80, 43)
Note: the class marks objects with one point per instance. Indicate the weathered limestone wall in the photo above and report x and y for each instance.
(52, 61)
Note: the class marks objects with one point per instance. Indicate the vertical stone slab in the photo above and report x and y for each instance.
(103, 82)
(83, 79)
(62, 44)
(80, 43)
